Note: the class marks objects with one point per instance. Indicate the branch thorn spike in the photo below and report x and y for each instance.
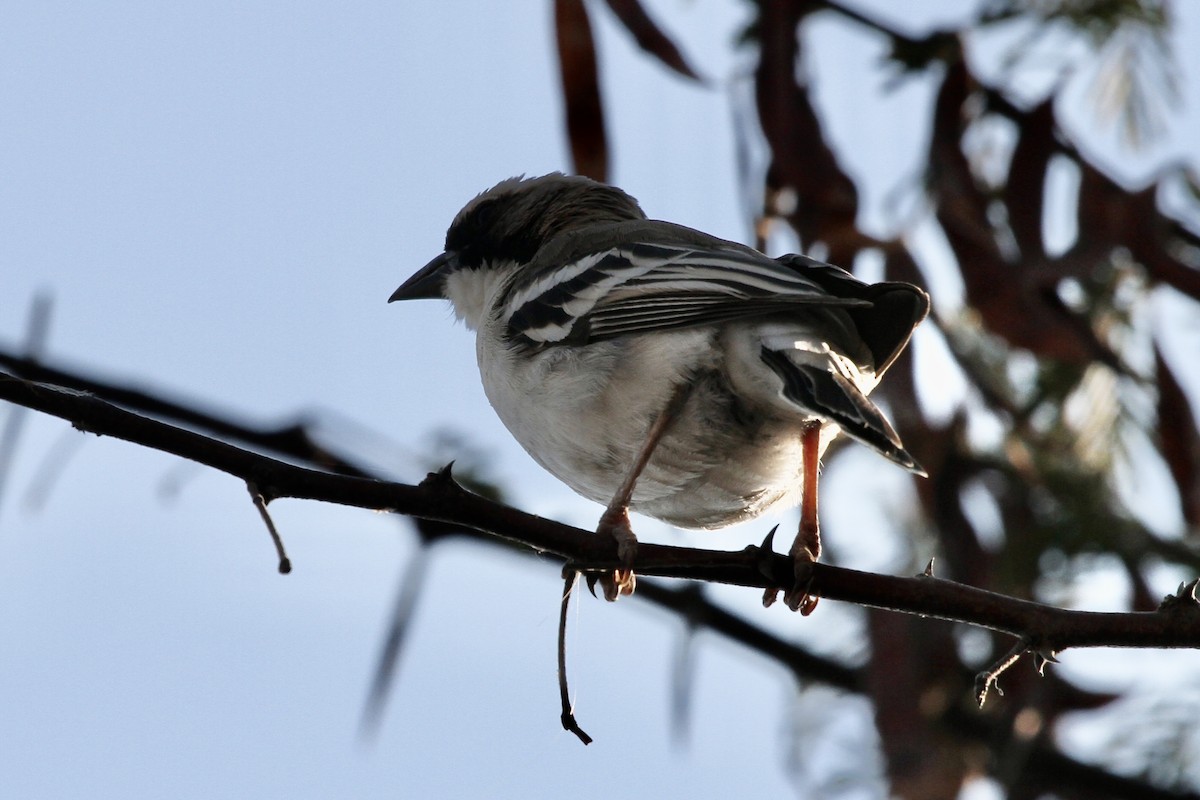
(1192, 590)
(764, 553)
(1041, 658)
(1185, 599)
(768, 542)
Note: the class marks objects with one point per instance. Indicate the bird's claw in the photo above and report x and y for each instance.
(800, 597)
(618, 582)
(621, 581)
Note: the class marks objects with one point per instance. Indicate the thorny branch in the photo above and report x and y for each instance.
(1175, 624)
(441, 499)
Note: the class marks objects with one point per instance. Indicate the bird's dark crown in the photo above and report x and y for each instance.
(513, 219)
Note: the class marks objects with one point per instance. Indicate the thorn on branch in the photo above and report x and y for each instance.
(441, 477)
(260, 502)
(442, 482)
(928, 573)
(1041, 658)
(82, 427)
(1184, 601)
(576, 569)
(764, 553)
(570, 577)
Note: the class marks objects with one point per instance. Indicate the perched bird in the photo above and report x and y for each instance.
(653, 367)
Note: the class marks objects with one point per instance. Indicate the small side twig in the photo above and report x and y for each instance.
(570, 577)
(990, 677)
(260, 502)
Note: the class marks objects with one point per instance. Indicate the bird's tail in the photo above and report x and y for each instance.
(832, 391)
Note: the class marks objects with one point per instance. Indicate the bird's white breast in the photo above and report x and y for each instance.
(583, 413)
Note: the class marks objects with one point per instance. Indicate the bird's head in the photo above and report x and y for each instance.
(505, 226)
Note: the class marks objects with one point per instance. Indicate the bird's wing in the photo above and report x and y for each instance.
(887, 323)
(653, 276)
(831, 335)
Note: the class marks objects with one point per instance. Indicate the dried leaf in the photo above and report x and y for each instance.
(581, 89)
(1024, 194)
(913, 55)
(961, 206)
(1114, 216)
(802, 159)
(650, 37)
(1153, 239)
(1171, 271)
(1013, 300)
(1178, 439)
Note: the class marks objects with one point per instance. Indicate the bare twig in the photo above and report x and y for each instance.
(570, 579)
(989, 678)
(439, 495)
(260, 502)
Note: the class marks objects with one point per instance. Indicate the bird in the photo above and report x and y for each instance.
(655, 368)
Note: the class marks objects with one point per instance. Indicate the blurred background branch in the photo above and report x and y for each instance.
(1055, 336)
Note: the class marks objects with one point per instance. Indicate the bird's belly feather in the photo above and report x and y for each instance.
(723, 460)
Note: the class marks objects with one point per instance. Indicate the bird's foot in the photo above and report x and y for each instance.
(801, 597)
(621, 581)
(806, 549)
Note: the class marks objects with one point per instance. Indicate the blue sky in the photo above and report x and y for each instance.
(219, 199)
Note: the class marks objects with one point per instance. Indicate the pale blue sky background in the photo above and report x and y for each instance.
(220, 198)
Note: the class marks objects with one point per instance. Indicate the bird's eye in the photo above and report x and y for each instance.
(472, 228)
(483, 215)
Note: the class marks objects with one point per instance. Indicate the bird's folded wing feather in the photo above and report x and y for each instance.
(895, 310)
(621, 285)
(828, 393)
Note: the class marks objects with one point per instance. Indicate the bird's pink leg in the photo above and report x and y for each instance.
(806, 549)
(615, 520)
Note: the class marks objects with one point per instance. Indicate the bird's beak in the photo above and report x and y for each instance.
(427, 283)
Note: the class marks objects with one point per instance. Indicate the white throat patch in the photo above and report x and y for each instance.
(470, 291)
